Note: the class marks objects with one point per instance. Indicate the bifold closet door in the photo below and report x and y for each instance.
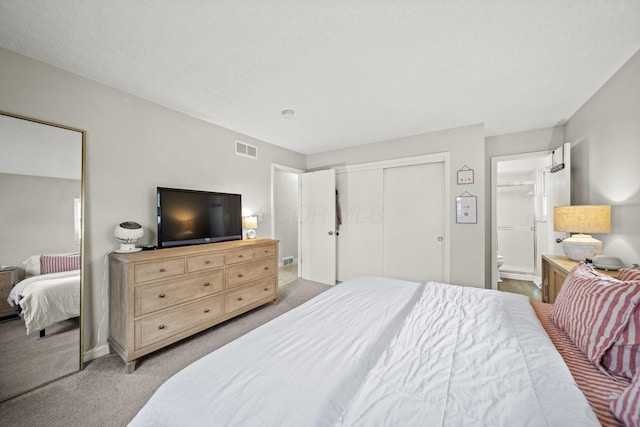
(414, 222)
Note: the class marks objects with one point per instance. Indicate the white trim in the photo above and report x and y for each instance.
(96, 352)
(403, 161)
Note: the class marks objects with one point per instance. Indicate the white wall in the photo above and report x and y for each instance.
(605, 137)
(466, 146)
(133, 146)
(36, 217)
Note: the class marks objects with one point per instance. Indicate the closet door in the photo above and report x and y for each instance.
(414, 222)
(361, 233)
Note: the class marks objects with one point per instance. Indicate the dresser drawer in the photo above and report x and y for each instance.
(157, 327)
(264, 251)
(205, 262)
(238, 255)
(246, 273)
(144, 272)
(157, 296)
(242, 297)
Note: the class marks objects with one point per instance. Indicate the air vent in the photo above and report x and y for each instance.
(287, 260)
(246, 150)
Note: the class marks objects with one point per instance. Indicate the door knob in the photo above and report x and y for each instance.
(331, 233)
(440, 238)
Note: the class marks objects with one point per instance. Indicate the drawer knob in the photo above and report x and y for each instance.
(206, 310)
(239, 298)
(266, 289)
(266, 251)
(207, 262)
(161, 296)
(162, 270)
(206, 283)
(161, 327)
(240, 256)
(266, 268)
(240, 275)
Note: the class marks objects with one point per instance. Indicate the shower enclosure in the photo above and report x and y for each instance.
(517, 227)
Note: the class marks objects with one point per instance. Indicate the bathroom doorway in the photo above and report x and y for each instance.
(525, 188)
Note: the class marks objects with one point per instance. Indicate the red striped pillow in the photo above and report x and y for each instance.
(623, 358)
(59, 263)
(594, 309)
(626, 406)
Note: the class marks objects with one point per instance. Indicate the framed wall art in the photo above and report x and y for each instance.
(466, 209)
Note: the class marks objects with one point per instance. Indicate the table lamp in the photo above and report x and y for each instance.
(580, 220)
(250, 223)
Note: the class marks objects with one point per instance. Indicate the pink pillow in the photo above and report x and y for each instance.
(626, 406)
(623, 358)
(59, 263)
(594, 309)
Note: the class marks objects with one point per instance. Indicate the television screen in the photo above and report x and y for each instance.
(188, 217)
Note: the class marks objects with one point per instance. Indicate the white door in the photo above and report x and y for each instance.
(361, 237)
(414, 222)
(318, 229)
(558, 194)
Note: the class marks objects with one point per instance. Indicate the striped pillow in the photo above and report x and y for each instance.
(626, 406)
(59, 263)
(623, 358)
(594, 309)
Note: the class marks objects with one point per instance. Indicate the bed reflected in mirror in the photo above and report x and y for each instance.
(41, 193)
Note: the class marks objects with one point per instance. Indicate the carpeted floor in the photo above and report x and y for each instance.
(104, 395)
(30, 360)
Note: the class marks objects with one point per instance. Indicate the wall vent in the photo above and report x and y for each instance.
(246, 150)
(287, 260)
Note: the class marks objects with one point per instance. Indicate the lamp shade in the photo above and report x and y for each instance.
(250, 221)
(582, 219)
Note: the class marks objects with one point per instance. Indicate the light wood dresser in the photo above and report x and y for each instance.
(161, 296)
(556, 268)
(8, 278)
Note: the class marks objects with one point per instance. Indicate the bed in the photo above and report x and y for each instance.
(377, 351)
(46, 299)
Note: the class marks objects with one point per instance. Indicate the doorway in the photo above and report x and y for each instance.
(285, 225)
(524, 189)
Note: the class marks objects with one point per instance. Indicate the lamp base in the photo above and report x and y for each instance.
(581, 246)
(251, 234)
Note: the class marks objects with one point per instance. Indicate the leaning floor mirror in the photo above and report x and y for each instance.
(41, 251)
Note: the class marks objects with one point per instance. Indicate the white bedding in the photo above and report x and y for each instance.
(375, 351)
(46, 299)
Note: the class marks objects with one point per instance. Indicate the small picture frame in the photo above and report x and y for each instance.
(466, 210)
(465, 175)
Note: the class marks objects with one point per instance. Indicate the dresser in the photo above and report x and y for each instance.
(8, 278)
(161, 296)
(555, 269)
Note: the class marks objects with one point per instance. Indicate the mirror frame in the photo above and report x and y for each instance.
(83, 133)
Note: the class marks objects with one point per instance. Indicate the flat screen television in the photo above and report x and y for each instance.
(189, 217)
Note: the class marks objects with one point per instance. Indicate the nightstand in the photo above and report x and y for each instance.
(8, 278)
(555, 269)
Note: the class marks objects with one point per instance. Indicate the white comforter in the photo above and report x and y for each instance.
(376, 351)
(46, 299)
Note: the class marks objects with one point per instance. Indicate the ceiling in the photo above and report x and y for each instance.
(355, 72)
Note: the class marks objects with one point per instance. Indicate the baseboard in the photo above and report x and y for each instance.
(517, 276)
(96, 352)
